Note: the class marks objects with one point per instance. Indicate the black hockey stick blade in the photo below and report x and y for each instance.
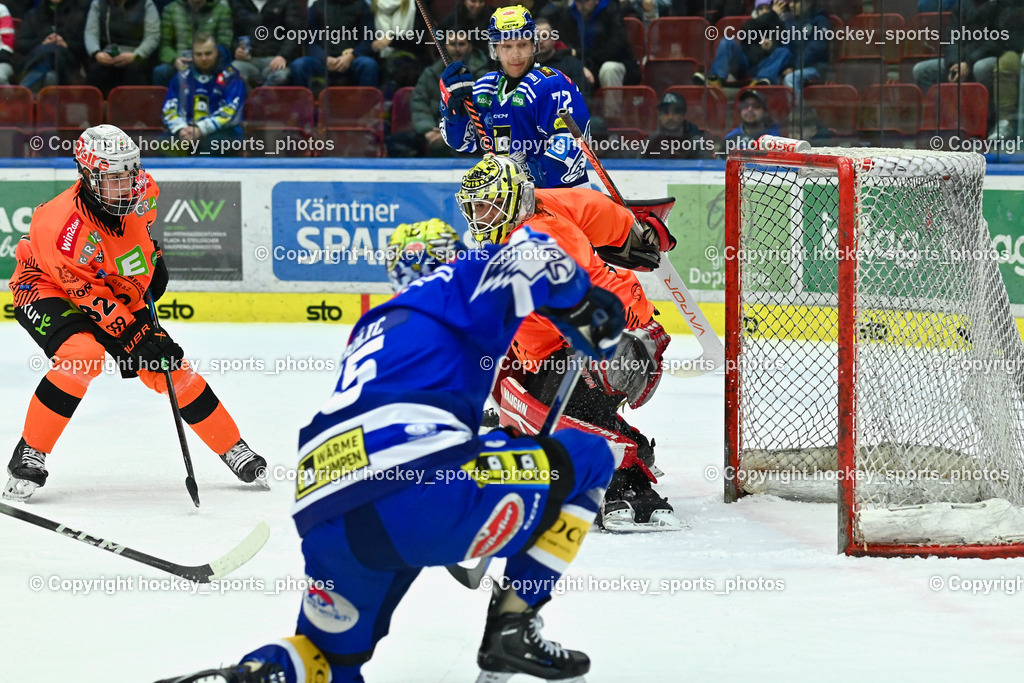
(203, 573)
(193, 489)
(470, 577)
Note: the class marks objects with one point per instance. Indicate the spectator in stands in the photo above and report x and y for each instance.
(557, 55)
(712, 10)
(646, 10)
(935, 5)
(180, 21)
(397, 42)
(806, 23)
(763, 61)
(677, 138)
(51, 40)
(594, 29)
(121, 38)
(19, 8)
(204, 103)
(346, 61)
(804, 125)
(755, 121)
(472, 16)
(425, 137)
(6, 45)
(990, 59)
(267, 59)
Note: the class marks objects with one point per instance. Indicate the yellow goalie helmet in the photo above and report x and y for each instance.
(415, 250)
(497, 195)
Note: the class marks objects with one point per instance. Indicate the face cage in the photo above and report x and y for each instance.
(493, 230)
(123, 206)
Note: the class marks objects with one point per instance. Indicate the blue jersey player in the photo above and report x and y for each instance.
(393, 475)
(518, 104)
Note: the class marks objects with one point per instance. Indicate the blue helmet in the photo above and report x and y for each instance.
(417, 249)
(510, 23)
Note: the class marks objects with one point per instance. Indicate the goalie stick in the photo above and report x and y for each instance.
(713, 351)
(190, 477)
(470, 577)
(203, 573)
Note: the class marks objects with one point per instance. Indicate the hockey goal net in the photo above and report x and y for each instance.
(872, 356)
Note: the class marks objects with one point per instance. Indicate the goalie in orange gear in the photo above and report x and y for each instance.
(497, 197)
(79, 290)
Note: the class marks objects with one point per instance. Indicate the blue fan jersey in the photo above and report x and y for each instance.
(417, 371)
(210, 101)
(526, 120)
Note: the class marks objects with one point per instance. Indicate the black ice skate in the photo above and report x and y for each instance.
(263, 672)
(28, 472)
(644, 446)
(513, 644)
(246, 465)
(631, 504)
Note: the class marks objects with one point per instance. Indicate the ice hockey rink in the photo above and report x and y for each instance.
(648, 607)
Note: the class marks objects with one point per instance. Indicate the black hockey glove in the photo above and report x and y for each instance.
(150, 348)
(158, 285)
(594, 325)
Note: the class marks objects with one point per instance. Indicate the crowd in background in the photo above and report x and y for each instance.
(382, 44)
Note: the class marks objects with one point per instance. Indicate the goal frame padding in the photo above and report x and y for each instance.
(847, 353)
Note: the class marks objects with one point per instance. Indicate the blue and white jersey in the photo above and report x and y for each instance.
(210, 101)
(526, 120)
(417, 371)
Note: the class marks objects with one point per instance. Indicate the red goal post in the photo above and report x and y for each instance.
(864, 313)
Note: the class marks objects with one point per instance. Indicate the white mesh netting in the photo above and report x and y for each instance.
(939, 365)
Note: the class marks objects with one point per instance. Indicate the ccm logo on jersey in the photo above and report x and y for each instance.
(67, 235)
(505, 520)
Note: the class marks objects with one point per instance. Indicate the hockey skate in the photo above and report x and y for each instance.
(246, 672)
(513, 645)
(632, 505)
(28, 472)
(246, 464)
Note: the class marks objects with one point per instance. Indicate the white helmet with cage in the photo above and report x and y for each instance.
(110, 166)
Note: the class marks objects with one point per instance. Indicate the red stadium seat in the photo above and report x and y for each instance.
(959, 107)
(136, 107)
(880, 43)
(69, 106)
(636, 34)
(678, 37)
(860, 73)
(920, 26)
(835, 105)
(352, 107)
(628, 106)
(16, 107)
(352, 142)
(893, 108)
(401, 110)
(662, 74)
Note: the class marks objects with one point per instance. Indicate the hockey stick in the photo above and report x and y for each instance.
(190, 477)
(713, 356)
(203, 573)
(474, 115)
(470, 577)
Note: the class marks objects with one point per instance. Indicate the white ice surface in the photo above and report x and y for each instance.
(117, 473)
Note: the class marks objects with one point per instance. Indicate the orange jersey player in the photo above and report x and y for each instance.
(497, 198)
(80, 289)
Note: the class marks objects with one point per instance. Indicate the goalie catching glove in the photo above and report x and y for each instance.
(150, 348)
(640, 253)
(594, 325)
(456, 88)
(635, 369)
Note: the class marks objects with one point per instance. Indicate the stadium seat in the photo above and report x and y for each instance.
(352, 142)
(891, 110)
(961, 107)
(136, 107)
(862, 72)
(920, 25)
(844, 9)
(351, 107)
(281, 106)
(637, 36)
(878, 46)
(623, 143)
(736, 22)
(69, 106)
(16, 107)
(835, 105)
(678, 37)
(401, 110)
(628, 106)
(706, 107)
(662, 74)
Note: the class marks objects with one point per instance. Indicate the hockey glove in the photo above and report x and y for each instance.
(635, 369)
(456, 88)
(150, 348)
(158, 285)
(594, 325)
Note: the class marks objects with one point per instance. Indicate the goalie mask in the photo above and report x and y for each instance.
(496, 197)
(510, 23)
(415, 250)
(109, 165)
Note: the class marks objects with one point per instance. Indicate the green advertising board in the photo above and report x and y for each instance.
(17, 202)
